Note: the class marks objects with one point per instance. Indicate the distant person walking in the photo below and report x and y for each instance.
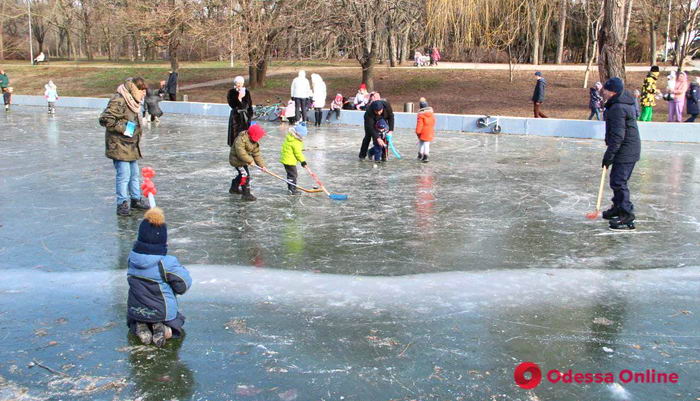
(4, 80)
(319, 98)
(693, 100)
(123, 122)
(171, 86)
(538, 95)
(677, 102)
(301, 93)
(435, 56)
(649, 92)
(241, 104)
(595, 101)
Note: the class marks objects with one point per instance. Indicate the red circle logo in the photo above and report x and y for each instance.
(535, 375)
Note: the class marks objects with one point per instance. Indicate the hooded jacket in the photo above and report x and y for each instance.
(425, 124)
(154, 281)
(621, 131)
(319, 91)
(595, 101)
(371, 118)
(50, 93)
(244, 152)
(301, 87)
(538, 94)
(291, 153)
(114, 118)
(649, 90)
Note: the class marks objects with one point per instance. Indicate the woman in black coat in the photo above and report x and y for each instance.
(241, 109)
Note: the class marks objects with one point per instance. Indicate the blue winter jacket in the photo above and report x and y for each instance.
(154, 282)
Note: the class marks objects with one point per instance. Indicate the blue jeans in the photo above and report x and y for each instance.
(128, 185)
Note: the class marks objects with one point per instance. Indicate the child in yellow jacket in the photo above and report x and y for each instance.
(291, 154)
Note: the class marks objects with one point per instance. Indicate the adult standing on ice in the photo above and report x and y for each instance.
(241, 109)
(171, 86)
(123, 122)
(538, 95)
(377, 110)
(301, 92)
(319, 97)
(624, 148)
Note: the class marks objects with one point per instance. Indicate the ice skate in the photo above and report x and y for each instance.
(159, 334)
(624, 222)
(611, 213)
(143, 332)
(294, 192)
(123, 209)
(235, 186)
(420, 156)
(425, 159)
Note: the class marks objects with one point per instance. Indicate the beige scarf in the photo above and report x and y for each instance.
(133, 97)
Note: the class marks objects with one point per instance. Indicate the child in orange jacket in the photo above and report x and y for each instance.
(425, 129)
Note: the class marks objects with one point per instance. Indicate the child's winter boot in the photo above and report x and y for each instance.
(159, 334)
(247, 196)
(140, 203)
(425, 158)
(143, 333)
(235, 185)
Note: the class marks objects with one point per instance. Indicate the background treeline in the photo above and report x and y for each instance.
(366, 31)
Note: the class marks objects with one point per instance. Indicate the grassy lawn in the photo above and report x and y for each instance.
(448, 91)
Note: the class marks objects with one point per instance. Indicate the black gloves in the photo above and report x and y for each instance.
(303, 164)
(607, 163)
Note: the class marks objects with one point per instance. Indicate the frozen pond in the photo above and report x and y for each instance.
(432, 282)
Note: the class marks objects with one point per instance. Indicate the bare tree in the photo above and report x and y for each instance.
(562, 31)
(611, 56)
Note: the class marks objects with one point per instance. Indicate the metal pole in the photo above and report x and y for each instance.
(31, 44)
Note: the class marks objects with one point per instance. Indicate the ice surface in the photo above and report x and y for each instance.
(431, 282)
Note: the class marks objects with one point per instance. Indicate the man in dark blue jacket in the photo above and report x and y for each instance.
(538, 95)
(624, 148)
(171, 86)
(377, 110)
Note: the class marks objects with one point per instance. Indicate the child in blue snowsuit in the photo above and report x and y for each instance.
(155, 279)
(380, 152)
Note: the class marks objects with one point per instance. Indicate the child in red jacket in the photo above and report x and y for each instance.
(425, 129)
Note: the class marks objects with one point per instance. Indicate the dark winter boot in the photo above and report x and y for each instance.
(425, 158)
(159, 334)
(143, 333)
(614, 211)
(235, 185)
(247, 196)
(420, 156)
(140, 203)
(624, 222)
(123, 209)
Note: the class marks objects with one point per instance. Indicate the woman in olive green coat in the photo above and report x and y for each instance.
(122, 120)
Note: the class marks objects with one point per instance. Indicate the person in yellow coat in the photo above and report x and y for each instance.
(292, 154)
(649, 93)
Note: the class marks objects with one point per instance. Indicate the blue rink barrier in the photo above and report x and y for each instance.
(649, 131)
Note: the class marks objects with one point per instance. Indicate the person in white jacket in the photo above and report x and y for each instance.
(51, 95)
(301, 93)
(319, 97)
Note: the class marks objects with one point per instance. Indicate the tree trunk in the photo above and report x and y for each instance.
(628, 18)
(652, 41)
(174, 43)
(668, 30)
(391, 47)
(511, 66)
(368, 72)
(2, 31)
(611, 45)
(261, 72)
(535, 56)
(252, 76)
(588, 33)
(562, 32)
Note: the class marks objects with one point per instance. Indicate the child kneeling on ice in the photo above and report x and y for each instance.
(425, 129)
(291, 154)
(155, 279)
(244, 152)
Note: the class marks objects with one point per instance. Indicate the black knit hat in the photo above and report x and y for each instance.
(654, 68)
(614, 84)
(153, 234)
